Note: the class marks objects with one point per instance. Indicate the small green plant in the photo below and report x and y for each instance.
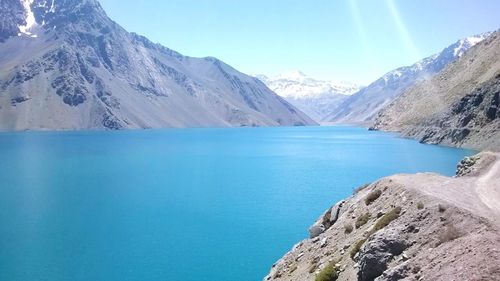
(362, 220)
(329, 273)
(386, 219)
(355, 249)
(372, 196)
(348, 228)
(420, 205)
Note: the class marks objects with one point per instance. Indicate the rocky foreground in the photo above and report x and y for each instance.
(407, 227)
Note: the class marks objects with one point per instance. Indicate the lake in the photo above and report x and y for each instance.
(182, 204)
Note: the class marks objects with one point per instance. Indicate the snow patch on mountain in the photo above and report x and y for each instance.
(467, 43)
(30, 19)
(52, 7)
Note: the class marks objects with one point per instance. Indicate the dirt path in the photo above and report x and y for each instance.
(488, 188)
(478, 193)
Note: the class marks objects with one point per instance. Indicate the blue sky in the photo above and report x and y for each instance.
(353, 40)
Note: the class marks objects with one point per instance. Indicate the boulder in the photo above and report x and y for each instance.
(326, 220)
(316, 230)
(335, 212)
(377, 252)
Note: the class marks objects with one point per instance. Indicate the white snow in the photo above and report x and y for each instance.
(460, 48)
(52, 7)
(30, 20)
(468, 43)
(297, 85)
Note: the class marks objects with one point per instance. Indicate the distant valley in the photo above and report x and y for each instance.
(316, 98)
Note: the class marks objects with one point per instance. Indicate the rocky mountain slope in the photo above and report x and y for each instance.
(316, 98)
(407, 227)
(66, 65)
(465, 101)
(362, 107)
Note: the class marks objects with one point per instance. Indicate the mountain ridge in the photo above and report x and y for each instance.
(465, 109)
(362, 107)
(77, 69)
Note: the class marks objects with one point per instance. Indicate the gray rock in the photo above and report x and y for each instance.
(336, 211)
(465, 166)
(378, 251)
(316, 230)
(396, 273)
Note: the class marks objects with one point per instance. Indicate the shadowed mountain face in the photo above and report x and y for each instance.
(12, 16)
(362, 107)
(66, 65)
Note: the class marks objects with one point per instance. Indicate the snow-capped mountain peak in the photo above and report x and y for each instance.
(296, 84)
(465, 44)
(363, 107)
(438, 61)
(316, 98)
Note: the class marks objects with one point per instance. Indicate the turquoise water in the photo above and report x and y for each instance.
(191, 204)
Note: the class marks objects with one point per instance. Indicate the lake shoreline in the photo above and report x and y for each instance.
(417, 227)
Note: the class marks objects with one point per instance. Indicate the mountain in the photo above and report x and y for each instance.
(316, 98)
(460, 106)
(362, 107)
(66, 65)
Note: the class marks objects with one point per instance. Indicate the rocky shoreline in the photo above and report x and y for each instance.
(472, 122)
(407, 227)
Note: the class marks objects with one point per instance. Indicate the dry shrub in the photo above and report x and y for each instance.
(329, 273)
(356, 248)
(386, 219)
(348, 228)
(362, 220)
(448, 234)
(420, 205)
(372, 196)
